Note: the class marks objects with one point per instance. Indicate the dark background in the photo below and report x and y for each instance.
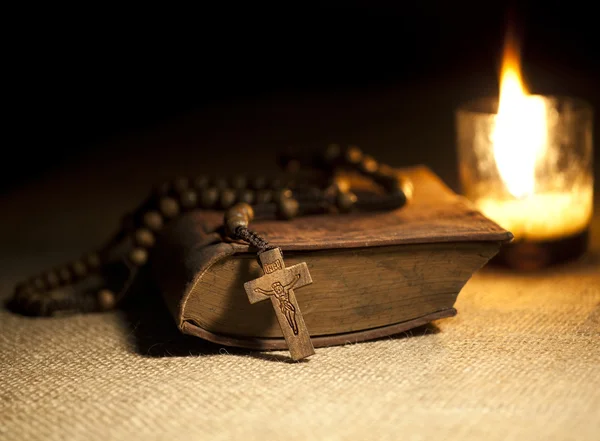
(84, 78)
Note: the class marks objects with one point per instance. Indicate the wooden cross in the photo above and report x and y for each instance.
(278, 284)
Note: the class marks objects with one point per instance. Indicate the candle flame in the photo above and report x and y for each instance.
(520, 134)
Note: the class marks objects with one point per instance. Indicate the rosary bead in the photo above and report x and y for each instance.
(259, 183)
(64, 275)
(38, 283)
(162, 189)
(221, 183)
(228, 198)
(288, 208)
(138, 256)
(52, 279)
(368, 164)
(144, 238)
(93, 260)
(354, 155)
(181, 184)
(106, 299)
(246, 196)
(239, 182)
(169, 207)
(345, 201)
(153, 220)
(276, 184)
(332, 152)
(264, 196)
(240, 215)
(79, 268)
(209, 197)
(188, 199)
(201, 182)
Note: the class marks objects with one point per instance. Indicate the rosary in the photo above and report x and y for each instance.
(242, 200)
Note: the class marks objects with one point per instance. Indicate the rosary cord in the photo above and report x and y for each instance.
(239, 197)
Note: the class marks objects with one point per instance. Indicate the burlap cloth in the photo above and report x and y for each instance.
(520, 361)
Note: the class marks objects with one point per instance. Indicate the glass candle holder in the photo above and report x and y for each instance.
(532, 175)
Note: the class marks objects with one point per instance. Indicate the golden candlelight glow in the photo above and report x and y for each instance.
(520, 135)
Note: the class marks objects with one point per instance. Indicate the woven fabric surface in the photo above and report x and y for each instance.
(520, 361)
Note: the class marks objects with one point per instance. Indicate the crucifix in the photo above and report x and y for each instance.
(278, 284)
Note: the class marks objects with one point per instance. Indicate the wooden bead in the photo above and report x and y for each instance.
(239, 182)
(64, 274)
(38, 283)
(369, 164)
(169, 207)
(201, 182)
(288, 208)
(276, 184)
(52, 280)
(209, 197)
(93, 261)
(162, 189)
(263, 196)
(107, 299)
(332, 152)
(240, 215)
(221, 183)
(247, 196)
(228, 197)
(354, 155)
(144, 238)
(181, 184)
(188, 199)
(138, 256)
(259, 182)
(79, 269)
(153, 220)
(345, 201)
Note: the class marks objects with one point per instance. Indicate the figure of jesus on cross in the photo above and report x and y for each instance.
(278, 284)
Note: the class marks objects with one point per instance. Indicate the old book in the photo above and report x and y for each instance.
(374, 274)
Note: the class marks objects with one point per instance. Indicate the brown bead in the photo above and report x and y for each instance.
(240, 215)
(201, 182)
(276, 184)
(188, 199)
(221, 183)
(138, 256)
(79, 269)
(288, 208)
(239, 182)
(209, 197)
(153, 220)
(181, 184)
(259, 182)
(52, 280)
(38, 283)
(264, 196)
(107, 299)
(354, 155)
(144, 238)
(162, 189)
(228, 198)
(369, 164)
(345, 201)
(64, 274)
(93, 261)
(332, 152)
(169, 207)
(247, 196)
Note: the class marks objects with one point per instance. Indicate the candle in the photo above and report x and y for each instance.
(525, 161)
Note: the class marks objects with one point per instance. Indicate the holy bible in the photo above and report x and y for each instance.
(373, 274)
